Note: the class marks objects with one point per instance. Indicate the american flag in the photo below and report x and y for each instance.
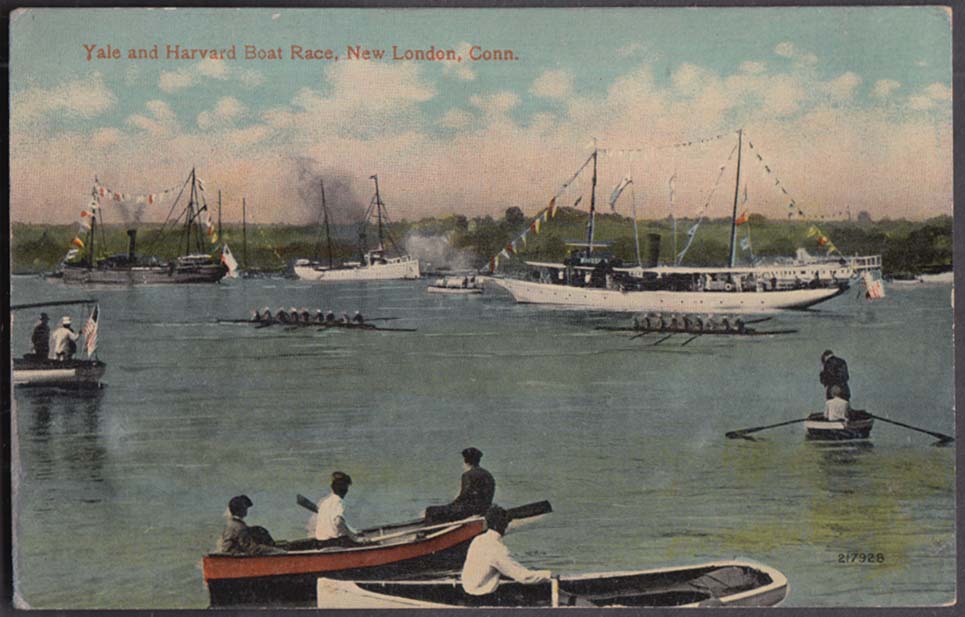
(90, 331)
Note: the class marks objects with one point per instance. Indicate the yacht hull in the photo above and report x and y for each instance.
(403, 269)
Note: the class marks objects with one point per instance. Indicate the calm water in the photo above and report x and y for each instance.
(121, 493)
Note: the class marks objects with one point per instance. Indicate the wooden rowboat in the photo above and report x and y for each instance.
(725, 583)
(397, 551)
(857, 426)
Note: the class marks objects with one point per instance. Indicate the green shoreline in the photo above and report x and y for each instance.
(907, 248)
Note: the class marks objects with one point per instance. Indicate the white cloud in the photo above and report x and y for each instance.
(226, 111)
(106, 138)
(497, 103)
(161, 122)
(82, 98)
(553, 84)
(785, 49)
(939, 92)
(884, 87)
(459, 70)
(628, 50)
(456, 119)
(753, 68)
(207, 69)
(843, 86)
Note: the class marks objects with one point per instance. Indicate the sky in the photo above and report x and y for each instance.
(848, 108)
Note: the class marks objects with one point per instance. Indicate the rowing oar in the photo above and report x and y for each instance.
(747, 431)
(757, 320)
(529, 510)
(644, 333)
(306, 503)
(664, 338)
(690, 339)
(941, 437)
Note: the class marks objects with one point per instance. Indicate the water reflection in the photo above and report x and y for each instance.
(59, 433)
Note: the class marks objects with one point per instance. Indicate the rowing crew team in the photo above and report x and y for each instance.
(688, 323)
(303, 315)
(486, 560)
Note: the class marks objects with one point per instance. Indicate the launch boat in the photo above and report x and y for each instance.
(374, 265)
(194, 265)
(590, 278)
(41, 371)
(726, 583)
(397, 551)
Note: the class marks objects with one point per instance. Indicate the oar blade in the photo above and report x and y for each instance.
(306, 503)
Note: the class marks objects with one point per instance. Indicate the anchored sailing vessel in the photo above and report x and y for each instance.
(194, 265)
(594, 279)
(374, 265)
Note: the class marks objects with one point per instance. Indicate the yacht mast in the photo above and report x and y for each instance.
(737, 183)
(589, 231)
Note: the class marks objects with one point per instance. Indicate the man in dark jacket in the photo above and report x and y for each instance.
(834, 372)
(40, 339)
(239, 539)
(475, 495)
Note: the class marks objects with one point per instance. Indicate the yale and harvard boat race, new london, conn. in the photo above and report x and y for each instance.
(305, 315)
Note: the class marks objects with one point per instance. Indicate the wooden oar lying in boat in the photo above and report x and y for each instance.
(941, 437)
(747, 431)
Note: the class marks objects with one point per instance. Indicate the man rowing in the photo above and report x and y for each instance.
(488, 559)
(475, 495)
(40, 338)
(330, 520)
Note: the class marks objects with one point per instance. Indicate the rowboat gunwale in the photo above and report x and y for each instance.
(779, 583)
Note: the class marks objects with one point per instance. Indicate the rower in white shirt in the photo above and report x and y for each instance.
(330, 519)
(488, 558)
(837, 407)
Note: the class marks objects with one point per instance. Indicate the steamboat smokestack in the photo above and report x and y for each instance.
(131, 242)
(653, 244)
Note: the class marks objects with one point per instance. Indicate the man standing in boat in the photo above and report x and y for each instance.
(64, 340)
(488, 559)
(330, 520)
(40, 339)
(239, 539)
(834, 372)
(475, 496)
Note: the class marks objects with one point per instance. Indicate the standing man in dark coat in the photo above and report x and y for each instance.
(40, 339)
(475, 495)
(834, 373)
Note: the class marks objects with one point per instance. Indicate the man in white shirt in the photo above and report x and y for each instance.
(488, 558)
(837, 407)
(63, 341)
(330, 520)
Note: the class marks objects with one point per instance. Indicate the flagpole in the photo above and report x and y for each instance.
(244, 231)
(733, 218)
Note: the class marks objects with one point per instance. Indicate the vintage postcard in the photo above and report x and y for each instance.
(422, 308)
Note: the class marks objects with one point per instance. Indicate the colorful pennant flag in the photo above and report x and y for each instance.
(741, 219)
(77, 242)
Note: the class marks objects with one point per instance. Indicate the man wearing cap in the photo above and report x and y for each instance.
(64, 340)
(40, 339)
(239, 539)
(330, 519)
(488, 558)
(834, 372)
(475, 495)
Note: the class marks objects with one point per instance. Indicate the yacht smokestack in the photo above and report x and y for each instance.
(132, 241)
(653, 244)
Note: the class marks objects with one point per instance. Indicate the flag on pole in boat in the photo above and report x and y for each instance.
(90, 331)
(874, 288)
(618, 190)
(229, 260)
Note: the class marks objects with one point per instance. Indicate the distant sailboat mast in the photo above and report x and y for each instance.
(378, 207)
(328, 234)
